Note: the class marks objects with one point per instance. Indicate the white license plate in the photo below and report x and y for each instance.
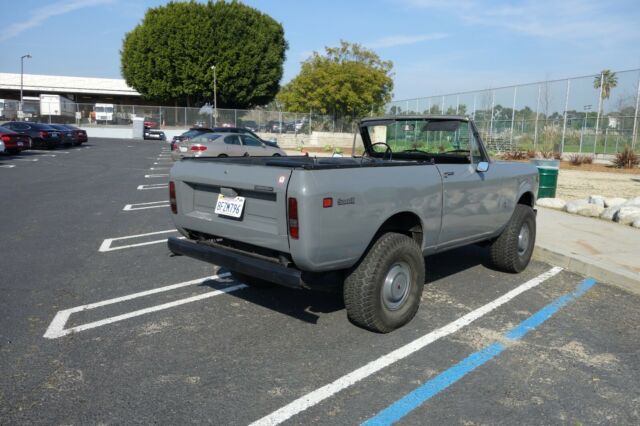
(183, 149)
(228, 206)
(20, 144)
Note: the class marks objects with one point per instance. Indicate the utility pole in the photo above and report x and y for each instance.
(215, 97)
(22, 76)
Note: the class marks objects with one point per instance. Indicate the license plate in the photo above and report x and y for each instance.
(228, 206)
(183, 149)
(20, 144)
(54, 135)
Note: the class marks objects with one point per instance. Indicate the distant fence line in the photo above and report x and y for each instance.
(568, 115)
(67, 112)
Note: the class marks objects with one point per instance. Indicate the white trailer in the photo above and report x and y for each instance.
(56, 105)
(9, 109)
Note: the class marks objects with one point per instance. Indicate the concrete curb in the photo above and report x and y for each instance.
(588, 267)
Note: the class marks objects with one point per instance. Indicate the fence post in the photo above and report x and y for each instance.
(635, 119)
(185, 117)
(442, 109)
(474, 107)
(310, 111)
(566, 106)
(595, 138)
(457, 103)
(235, 118)
(513, 114)
(493, 100)
(535, 129)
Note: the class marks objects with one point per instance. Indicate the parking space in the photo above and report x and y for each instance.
(101, 324)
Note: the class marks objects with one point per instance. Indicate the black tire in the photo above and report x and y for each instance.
(251, 281)
(222, 156)
(510, 252)
(369, 287)
(276, 155)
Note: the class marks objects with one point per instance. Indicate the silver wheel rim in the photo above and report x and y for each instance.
(397, 283)
(523, 239)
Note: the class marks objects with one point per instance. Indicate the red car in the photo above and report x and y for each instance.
(150, 124)
(14, 142)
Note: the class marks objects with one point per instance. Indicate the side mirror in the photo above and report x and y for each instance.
(482, 167)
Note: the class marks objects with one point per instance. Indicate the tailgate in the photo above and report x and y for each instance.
(263, 219)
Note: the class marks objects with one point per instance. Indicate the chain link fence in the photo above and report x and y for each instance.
(53, 109)
(593, 114)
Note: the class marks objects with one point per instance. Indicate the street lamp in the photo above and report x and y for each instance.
(215, 97)
(21, 75)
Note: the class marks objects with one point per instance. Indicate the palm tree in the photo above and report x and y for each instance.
(608, 79)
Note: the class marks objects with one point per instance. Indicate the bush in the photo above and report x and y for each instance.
(557, 156)
(547, 155)
(338, 150)
(578, 160)
(627, 159)
(532, 154)
(587, 159)
(514, 155)
(327, 148)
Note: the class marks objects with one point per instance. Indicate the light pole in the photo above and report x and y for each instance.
(21, 75)
(215, 97)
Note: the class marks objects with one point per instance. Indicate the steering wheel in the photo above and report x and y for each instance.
(386, 150)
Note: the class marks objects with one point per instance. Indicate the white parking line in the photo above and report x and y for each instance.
(8, 166)
(152, 186)
(144, 206)
(156, 176)
(47, 151)
(56, 328)
(106, 244)
(318, 395)
(159, 168)
(33, 160)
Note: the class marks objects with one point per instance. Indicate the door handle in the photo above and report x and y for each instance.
(447, 174)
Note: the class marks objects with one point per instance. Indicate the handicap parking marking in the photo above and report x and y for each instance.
(159, 175)
(144, 206)
(417, 397)
(106, 244)
(152, 186)
(56, 327)
(315, 397)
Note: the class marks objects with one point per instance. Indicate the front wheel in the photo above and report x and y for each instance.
(512, 250)
(382, 293)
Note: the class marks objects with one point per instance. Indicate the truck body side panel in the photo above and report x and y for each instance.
(363, 199)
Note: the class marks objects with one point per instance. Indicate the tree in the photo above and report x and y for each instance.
(169, 55)
(348, 80)
(608, 79)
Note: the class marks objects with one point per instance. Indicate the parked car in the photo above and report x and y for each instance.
(42, 135)
(225, 145)
(152, 134)
(12, 142)
(424, 185)
(191, 133)
(1, 147)
(66, 134)
(79, 135)
(151, 124)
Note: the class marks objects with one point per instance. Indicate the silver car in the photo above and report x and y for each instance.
(225, 145)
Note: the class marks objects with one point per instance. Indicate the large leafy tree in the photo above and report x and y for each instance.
(170, 54)
(348, 80)
(608, 79)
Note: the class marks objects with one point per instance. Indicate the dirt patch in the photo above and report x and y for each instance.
(574, 184)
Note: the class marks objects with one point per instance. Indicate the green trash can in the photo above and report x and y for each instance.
(548, 171)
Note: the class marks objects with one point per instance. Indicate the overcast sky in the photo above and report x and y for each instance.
(437, 46)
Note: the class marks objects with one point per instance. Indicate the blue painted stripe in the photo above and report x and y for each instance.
(411, 401)
(545, 313)
(414, 399)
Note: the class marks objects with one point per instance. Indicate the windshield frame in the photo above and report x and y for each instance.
(379, 121)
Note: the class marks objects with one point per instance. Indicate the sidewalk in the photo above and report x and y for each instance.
(606, 251)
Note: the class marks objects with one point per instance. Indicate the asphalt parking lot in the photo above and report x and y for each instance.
(100, 324)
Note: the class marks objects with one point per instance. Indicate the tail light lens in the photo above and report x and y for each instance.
(5, 138)
(172, 198)
(198, 148)
(44, 134)
(294, 229)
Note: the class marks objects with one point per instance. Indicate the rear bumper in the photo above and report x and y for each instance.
(238, 262)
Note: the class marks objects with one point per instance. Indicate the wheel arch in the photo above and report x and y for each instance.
(527, 198)
(407, 223)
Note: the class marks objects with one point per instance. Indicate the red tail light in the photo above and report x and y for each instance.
(294, 230)
(198, 148)
(44, 134)
(5, 138)
(172, 198)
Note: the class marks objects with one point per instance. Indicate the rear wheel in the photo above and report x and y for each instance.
(222, 155)
(276, 155)
(251, 281)
(512, 251)
(383, 291)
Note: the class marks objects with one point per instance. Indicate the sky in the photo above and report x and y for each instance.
(437, 46)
